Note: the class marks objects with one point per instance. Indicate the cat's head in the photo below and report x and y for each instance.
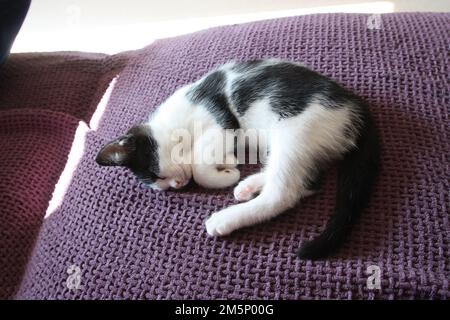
(141, 152)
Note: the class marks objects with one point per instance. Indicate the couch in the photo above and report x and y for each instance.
(128, 242)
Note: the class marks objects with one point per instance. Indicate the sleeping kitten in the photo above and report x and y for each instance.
(311, 121)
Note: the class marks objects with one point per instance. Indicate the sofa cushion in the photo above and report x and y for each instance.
(34, 145)
(69, 82)
(130, 242)
(43, 97)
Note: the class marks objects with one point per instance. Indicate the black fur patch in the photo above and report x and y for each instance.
(136, 150)
(357, 173)
(211, 93)
(144, 162)
(289, 88)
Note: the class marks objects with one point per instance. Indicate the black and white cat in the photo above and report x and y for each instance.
(311, 119)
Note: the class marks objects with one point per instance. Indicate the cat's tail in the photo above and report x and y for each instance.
(356, 176)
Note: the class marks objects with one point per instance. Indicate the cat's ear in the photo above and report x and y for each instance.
(117, 152)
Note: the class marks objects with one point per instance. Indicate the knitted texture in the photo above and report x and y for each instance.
(134, 243)
(67, 82)
(42, 99)
(34, 146)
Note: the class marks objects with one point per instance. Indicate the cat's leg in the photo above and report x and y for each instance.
(250, 187)
(286, 175)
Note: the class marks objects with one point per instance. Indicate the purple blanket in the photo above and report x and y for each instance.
(133, 243)
(43, 96)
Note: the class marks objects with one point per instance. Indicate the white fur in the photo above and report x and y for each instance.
(178, 112)
(294, 144)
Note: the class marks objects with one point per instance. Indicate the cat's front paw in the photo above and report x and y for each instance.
(245, 191)
(220, 224)
(249, 188)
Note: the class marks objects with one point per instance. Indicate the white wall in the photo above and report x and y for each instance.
(113, 26)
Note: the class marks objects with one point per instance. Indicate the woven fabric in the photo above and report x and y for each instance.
(134, 243)
(34, 146)
(68, 82)
(42, 99)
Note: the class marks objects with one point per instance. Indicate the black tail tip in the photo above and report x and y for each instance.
(315, 250)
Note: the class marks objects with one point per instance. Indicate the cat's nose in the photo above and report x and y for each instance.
(177, 183)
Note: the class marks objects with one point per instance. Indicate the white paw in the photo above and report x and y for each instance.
(220, 223)
(230, 176)
(245, 191)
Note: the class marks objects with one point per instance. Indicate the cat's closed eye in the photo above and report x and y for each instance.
(156, 177)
